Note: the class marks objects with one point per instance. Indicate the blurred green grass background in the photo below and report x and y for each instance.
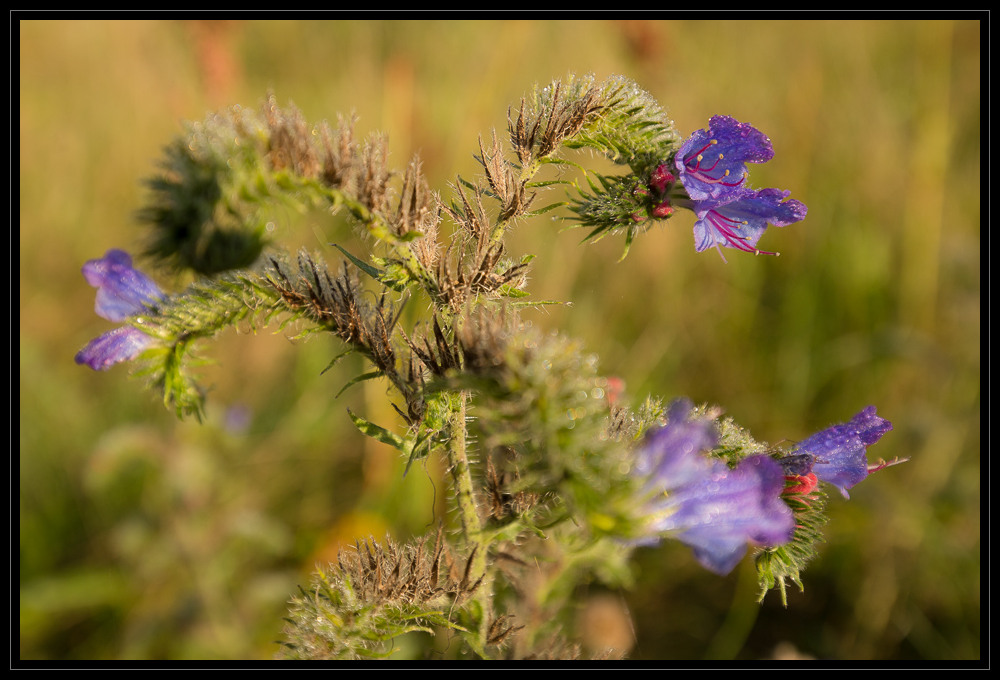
(144, 537)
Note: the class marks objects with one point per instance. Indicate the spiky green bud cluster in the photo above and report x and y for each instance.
(378, 592)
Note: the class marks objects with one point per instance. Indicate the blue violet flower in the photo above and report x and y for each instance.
(711, 178)
(713, 162)
(739, 220)
(701, 501)
(837, 455)
(122, 291)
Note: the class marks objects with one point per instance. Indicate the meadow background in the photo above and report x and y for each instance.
(144, 537)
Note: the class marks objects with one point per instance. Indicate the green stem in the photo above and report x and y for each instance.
(461, 473)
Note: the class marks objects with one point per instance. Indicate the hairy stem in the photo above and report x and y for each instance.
(461, 473)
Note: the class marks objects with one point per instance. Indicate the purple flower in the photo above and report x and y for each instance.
(838, 453)
(711, 181)
(739, 219)
(712, 162)
(704, 503)
(121, 292)
(672, 455)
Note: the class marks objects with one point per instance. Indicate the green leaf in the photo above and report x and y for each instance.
(376, 274)
(546, 183)
(629, 235)
(380, 433)
(539, 303)
(421, 449)
(333, 361)
(547, 208)
(511, 291)
(361, 378)
(467, 184)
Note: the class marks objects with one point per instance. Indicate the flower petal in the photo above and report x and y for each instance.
(674, 454)
(740, 219)
(718, 515)
(712, 162)
(840, 450)
(122, 291)
(117, 345)
(700, 501)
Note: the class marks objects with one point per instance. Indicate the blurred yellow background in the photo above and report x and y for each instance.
(144, 537)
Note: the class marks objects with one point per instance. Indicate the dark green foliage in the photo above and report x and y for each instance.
(205, 210)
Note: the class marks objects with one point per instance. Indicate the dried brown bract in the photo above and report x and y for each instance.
(503, 501)
(553, 122)
(509, 191)
(290, 146)
(439, 355)
(478, 259)
(483, 339)
(374, 175)
(340, 153)
(417, 207)
(386, 572)
(500, 629)
(336, 303)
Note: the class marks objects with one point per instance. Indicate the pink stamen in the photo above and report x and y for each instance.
(696, 170)
(702, 149)
(882, 464)
(724, 226)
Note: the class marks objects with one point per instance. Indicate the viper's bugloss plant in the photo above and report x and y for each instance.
(555, 478)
